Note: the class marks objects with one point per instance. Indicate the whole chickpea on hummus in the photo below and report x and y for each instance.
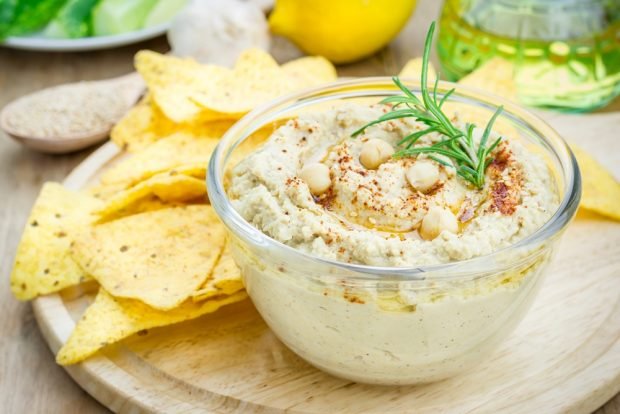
(317, 189)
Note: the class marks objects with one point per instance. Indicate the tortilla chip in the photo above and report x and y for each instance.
(311, 70)
(494, 76)
(225, 279)
(42, 263)
(141, 126)
(413, 69)
(171, 80)
(255, 79)
(162, 70)
(159, 257)
(143, 205)
(168, 187)
(188, 92)
(601, 191)
(175, 103)
(108, 320)
(174, 151)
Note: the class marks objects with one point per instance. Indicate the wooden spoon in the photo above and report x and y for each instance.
(103, 101)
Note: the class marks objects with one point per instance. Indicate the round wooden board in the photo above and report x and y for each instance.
(564, 357)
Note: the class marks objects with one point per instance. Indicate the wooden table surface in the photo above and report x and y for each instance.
(30, 381)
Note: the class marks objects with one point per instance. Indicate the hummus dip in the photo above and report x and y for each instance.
(315, 188)
(372, 216)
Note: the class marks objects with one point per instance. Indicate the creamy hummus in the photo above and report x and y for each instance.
(385, 330)
(371, 216)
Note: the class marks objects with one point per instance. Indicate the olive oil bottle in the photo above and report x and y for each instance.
(566, 53)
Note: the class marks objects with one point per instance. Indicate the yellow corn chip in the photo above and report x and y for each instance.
(163, 70)
(601, 191)
(141, 126)
(168, 187)
(174, 151)
(43, 264)
(108, 320)
(188, 92)
(413, 69)
(255, 79)
(311, 70)
(174, 101)
(225, 279)
(159, 257)
(494, 76)
(171, 80)
(149, 203)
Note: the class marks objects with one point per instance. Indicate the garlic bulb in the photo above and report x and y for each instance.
(264, 5)
(217, 31)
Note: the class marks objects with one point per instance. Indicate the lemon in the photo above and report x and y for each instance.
(340, 30)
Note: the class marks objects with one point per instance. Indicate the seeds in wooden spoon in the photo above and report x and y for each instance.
(65, 111)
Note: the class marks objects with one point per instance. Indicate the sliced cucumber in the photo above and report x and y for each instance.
(112, 17)
(163, 12)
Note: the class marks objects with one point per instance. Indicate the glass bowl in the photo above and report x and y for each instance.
(388, 325)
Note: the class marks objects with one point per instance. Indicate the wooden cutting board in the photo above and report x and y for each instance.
(564, 357)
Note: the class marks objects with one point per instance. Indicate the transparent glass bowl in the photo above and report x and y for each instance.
(392, 325)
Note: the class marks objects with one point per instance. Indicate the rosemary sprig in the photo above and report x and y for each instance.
(468, 158)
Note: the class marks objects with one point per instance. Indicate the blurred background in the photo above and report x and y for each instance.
(562, 54)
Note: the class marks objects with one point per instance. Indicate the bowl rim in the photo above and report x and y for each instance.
(555, 143)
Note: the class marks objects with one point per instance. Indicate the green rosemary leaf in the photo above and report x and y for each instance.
(445, 97)
(396, 99)
(493, 145)
(406, 90)
(487, 131)
(412, 138)
(470, 159)
(470, 134)
(423, 150)
(440, 161)
(468, 169)
(435, 91)
(404, 113)
(488, 162)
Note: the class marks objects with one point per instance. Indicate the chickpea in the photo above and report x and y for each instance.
(374, 153)
(437, 220)
(423, 175)
(316, 176)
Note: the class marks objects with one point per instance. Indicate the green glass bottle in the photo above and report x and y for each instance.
(566, 53)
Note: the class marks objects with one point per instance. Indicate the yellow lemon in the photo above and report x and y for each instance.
(340, 30)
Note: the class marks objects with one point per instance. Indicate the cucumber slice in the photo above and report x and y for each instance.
(112, 17)
(163, 12)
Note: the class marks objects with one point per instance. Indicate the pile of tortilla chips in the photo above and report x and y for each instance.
(205, 100)
(145, 232)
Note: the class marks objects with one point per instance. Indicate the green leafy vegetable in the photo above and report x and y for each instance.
(31, 15)
(73, 20)
(470, 159)
(8, 8)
